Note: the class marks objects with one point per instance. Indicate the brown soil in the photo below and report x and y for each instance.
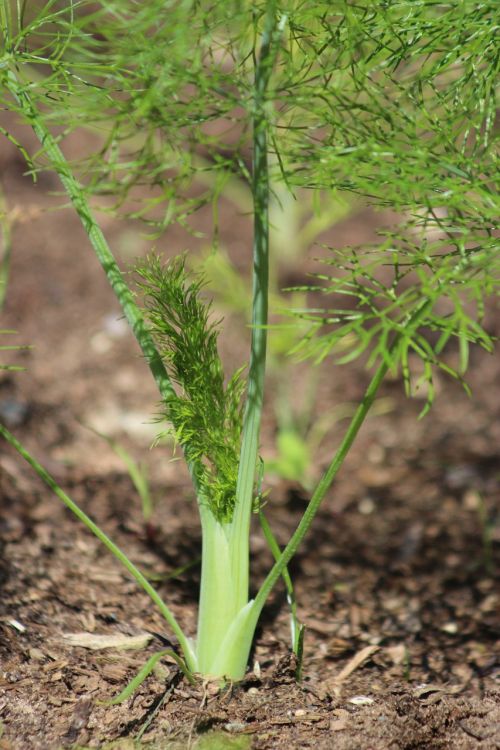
(396, 581)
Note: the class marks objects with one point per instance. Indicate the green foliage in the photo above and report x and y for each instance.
(393, 101)
(405, 90)
(155, 113)
(405, 116)
(223, 741)
(293, 459)
(402, 91)
(6, 223)
(417, 292)
(205, 414)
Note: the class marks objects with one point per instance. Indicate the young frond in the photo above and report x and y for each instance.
(409, 295)
(205, 414)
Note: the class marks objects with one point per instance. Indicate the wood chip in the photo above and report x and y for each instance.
(96, 642)
(320, 626)
(115, 673)
(429, 694)
(79, 719)
(309, 717)
(361, 700)
(356, 661)
(55, 665)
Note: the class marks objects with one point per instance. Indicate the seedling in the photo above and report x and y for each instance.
(394, 102)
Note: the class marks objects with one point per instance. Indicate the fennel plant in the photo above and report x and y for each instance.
(394, 102)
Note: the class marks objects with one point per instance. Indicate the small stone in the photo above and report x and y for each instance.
(366, 506)
(397, 654)
(14, 413)
(490, 604)
(115, 326)
(376, 476)
(376, 454)
(471, 500)
(101, 343)
(450, 627)
(17, 625)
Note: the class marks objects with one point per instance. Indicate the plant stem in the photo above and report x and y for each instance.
(322, 487)
(6, 249)
(295, 627)
(240, 526)
(111, 546)
(326, 480)
(227, 621)
(100, 245)
(240, 635)
(220, 599)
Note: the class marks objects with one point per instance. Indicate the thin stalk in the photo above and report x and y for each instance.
(326, 480)
(322, 487)
(226, 621)
(296, 629)
(100, 245)
(6, 250)
(111, 546)
(240, 526)
(224, 631)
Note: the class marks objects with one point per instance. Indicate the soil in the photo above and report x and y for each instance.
(396, 582)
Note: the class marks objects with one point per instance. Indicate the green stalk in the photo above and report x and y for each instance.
(6, 236)
(227, 621)
(111, 546)
(326, 480)
(296, 629)
(322, 487)
(99, 243)
(240, 525)
(219, 601)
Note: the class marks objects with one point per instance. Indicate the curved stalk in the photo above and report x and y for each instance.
(326, 480)
(111, 546)
(99, 243)
(322, 487)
